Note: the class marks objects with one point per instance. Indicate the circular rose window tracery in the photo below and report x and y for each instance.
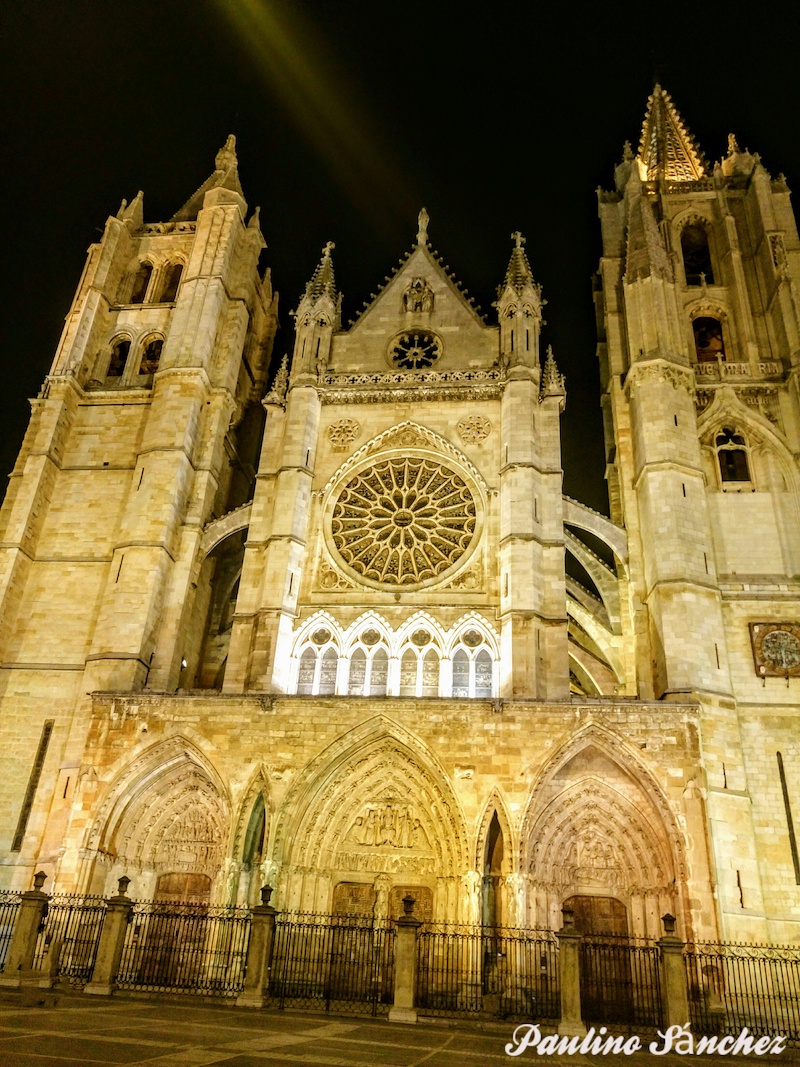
(404, 521)
(415, 350)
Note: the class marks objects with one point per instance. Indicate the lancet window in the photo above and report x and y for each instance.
(419, 667)
(369, 672)
(317, 673)
(151, 356)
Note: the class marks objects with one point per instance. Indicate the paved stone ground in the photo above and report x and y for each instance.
(71, 1031)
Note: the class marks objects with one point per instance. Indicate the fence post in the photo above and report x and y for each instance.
(405, 965)
(112, 940)
(32, 910)
(259, 953)
(569, 966)
(675, 994)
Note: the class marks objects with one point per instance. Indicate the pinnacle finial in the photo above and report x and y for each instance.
(627, 152)
(422, 223)
(328, 248)
(518, 239)
(733, 144)
(226, 157)
(552, 379)
(277, 394)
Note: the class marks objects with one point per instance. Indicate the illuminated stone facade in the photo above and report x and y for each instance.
(346, 658)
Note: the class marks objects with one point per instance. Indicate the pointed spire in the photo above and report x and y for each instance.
(226, 176)
(667, 148)
(422, 228)
(323, 281)
(277, 394)
(645, 252)
(518, 273)
(553, 382)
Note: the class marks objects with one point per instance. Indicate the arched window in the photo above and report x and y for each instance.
(419, 671)
(151, 356)
(317, 671)
(140, 283)
(369, 672)
(308, 667)
(731, 449)
(696, 254)
(120, 351)
(473, 667)
(327, 674)
(708, 340)
(172, 280)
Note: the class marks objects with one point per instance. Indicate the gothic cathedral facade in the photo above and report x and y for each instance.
(336, 649)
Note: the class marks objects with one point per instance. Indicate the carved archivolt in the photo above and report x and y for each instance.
(378, 807)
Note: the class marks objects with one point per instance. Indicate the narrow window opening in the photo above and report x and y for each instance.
(708, 341)
(732, 456)
(141, 282)
(66, 787)
(119, 568)
(151, 357)
(291, 582)
(683, 487)
(505, 584)
(705, 561)
(119, 357)
(512, 340)
(141, 477)
(676, 419)
(696, 255)
(33, 782)
(724, 776)
(171, 283)
(739, 887)
(716, 653)
(308, 457)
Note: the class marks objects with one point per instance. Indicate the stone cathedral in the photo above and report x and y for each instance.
(316, 629)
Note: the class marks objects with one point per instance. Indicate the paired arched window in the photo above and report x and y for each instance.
(696, 254)
(732, 457)
(369, 672)
(317, 674)
(141, 283)
(419, 672)
(472, 672)
(709, 343)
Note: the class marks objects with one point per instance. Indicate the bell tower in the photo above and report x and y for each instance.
(700, 364)
(143, 432)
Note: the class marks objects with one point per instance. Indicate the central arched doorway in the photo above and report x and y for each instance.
(598, 915)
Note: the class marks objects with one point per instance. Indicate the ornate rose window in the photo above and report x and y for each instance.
(404, 521)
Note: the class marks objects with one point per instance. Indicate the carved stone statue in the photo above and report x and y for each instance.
(418, 296)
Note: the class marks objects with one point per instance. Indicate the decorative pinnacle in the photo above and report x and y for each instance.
(277, 394)
(323, 282)
(552, 379)
(422, 231)
(226, 157)
(518, 272)
(733, 144)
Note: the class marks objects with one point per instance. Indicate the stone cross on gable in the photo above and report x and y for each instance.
(517, 238)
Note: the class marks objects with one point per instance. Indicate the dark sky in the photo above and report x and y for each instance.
(350, 115)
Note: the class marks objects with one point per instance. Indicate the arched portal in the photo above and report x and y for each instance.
(164, 824)
(595, 830)
(375, 818)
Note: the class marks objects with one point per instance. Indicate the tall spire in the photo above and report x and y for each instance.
(518, 273)
(225, 176)
(667, 148)
(323, 281)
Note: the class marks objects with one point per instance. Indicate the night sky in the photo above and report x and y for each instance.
(350, 116)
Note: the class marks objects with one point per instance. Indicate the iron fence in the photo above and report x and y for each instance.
(189, 948)
(621, 981)
(732, 986)
(339, 962)
(68, 937)
(501, 972)
(9, 906)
